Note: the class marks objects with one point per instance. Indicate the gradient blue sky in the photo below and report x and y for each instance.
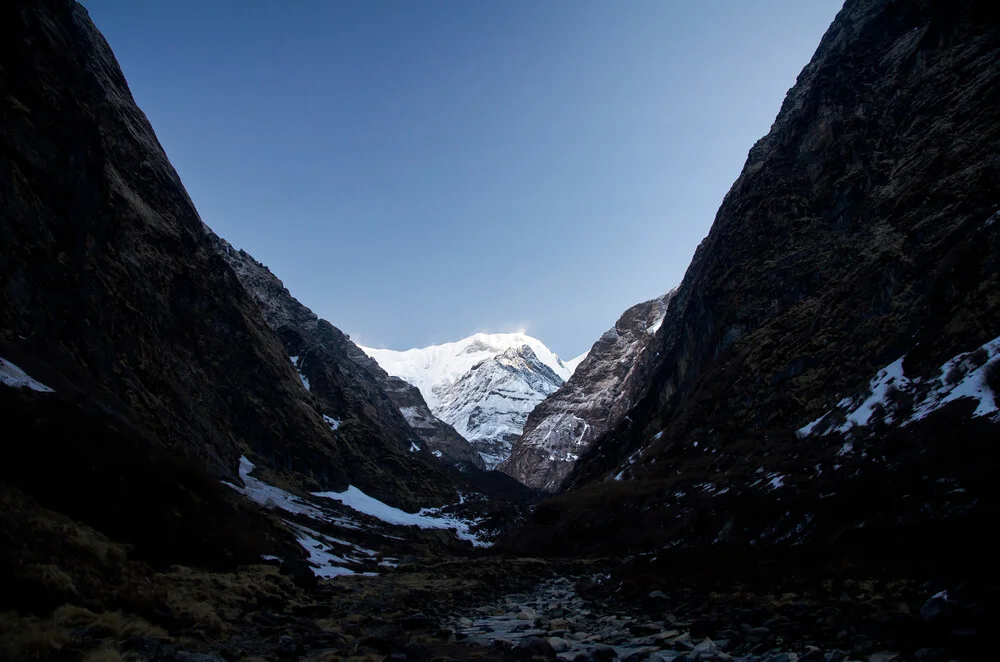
(419, 170)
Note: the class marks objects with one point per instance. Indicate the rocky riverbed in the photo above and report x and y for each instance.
(554, 621)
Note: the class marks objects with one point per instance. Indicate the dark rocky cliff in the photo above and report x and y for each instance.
(115, 295)
(111, 282)
(860, 230)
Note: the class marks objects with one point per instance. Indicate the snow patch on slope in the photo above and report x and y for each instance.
(297, 362)
(330, 556)
(11, 375)
(963, 376)
(323, 562)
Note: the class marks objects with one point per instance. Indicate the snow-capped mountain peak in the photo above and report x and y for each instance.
(484, 385)
(432, 369)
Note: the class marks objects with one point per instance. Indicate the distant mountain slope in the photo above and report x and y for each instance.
(484, 385)
(573, 363)
(610, 378)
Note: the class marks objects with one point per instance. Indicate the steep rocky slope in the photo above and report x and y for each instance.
(602, 389)
(484, 385)
(385, 414)
(348, 389)
(861, 231)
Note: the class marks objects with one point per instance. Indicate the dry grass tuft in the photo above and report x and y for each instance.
(107, 624)
(29, 638)
(59, 560)
(104, 654)
(210, 602)
(34, 638)
(51, 577)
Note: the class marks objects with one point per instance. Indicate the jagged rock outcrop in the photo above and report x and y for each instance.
(605, 385)
(484, 385)
(861, 231)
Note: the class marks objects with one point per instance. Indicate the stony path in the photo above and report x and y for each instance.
(554, 622)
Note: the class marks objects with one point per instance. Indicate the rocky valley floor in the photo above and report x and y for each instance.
(497, 608)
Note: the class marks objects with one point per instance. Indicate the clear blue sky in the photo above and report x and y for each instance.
(419, 170)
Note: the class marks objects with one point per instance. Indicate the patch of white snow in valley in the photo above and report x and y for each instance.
(807, 429)
(324, 563)
(270, 496)
(332, 422)
(414, 448)
(427, 518)
(438, 454)
(11, 375)
(963, 376)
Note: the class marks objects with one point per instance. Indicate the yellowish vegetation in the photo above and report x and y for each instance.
(34, 638)
(51, 577)
(107, 624)
(104, 654)
(211, 600)
(29, 638)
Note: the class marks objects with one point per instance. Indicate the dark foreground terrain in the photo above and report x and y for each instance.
(806, 471)
(106, 605)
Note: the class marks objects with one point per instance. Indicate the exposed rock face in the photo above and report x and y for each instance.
(484, 385)
(862, 229)
(605, 385)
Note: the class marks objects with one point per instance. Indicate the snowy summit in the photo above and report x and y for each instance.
(484, 385)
